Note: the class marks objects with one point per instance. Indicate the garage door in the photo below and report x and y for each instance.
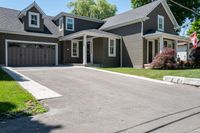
(21, 54)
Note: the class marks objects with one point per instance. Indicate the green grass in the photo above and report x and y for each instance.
(157, 74)
(15, 101)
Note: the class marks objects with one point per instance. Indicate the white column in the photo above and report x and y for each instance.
(84, 49)
(56, 54)
(161, 44)
(6, 52)
(188, 49)
(176, 47)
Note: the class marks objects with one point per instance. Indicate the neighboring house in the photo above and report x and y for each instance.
(131, 39)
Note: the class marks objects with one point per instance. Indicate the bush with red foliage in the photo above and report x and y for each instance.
(164, 60)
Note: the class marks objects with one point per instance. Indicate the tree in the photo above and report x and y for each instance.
(99, 9)
(180, 13)
(195, 27)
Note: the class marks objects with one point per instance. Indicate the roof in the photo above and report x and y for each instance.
(136, 15)
(9, 22)
(34, 4)
(76, 16)
(90, 32)
(159, 34)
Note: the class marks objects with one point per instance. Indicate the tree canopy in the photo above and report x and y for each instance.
(180, 13)
(195, 27)
(99, 9)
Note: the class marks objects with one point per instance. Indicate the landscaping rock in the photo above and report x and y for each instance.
(182, 80)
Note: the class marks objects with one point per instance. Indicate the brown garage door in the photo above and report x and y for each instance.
(30, 54)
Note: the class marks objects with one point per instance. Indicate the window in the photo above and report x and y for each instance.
(160, 23)
(34, 20)
(112, 48)
(74, 49)
(70, 24)
(61, 24)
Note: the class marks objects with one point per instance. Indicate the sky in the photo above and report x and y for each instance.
(54, 7)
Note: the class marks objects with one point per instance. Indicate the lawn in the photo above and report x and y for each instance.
(15, 101)
(157, 74)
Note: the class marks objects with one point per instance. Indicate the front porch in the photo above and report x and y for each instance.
(92, 47)
(156, 42)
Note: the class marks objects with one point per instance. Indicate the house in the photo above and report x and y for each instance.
(131, 39)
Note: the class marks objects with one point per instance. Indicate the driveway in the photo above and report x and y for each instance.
(98, 102)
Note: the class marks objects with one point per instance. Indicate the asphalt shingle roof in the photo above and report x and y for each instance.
(9, 21)
(129, 16)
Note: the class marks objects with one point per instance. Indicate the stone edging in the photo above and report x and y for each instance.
(182, 80)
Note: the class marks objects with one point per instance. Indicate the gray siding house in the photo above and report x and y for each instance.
(131, 39)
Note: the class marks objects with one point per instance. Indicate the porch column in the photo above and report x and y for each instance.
(84, 49)
(176, 49)
(188, 49)
(161, 44)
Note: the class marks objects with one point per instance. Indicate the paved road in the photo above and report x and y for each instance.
(99, 102)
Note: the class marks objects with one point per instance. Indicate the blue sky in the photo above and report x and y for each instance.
(53, 7)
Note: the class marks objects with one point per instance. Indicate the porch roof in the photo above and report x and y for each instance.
(158, 34)
(90, 32)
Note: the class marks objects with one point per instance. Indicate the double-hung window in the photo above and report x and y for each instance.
(61, 24)
(112, 48)
(69, 24)
(34, 20)
(75, 49)
(161, 23)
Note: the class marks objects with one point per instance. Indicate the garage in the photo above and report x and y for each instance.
(30, 54)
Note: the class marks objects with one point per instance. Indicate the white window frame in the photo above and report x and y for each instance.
(114, 54)
(163, 23)
(38, 20)
(72, 24)
(61, 24)
(77, 48)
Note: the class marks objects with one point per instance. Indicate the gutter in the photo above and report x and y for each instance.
(29, 34)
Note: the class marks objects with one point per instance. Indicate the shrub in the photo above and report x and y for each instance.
(165, 60)
(195, 57)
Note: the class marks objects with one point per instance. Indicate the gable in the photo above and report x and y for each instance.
(151, 25)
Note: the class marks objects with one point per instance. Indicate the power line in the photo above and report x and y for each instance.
(185, 7)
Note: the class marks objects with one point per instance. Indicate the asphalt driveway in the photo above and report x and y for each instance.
(99, 102)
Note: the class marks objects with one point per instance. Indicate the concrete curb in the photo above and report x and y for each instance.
(39, 91)
(182, 80)
(131, 76)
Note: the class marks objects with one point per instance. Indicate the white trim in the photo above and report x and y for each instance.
(72, 24)
(163, 23)
(158, 34)
(114, 47)
(30, 42)
(61, 24)
(77, 48)
(30, 14)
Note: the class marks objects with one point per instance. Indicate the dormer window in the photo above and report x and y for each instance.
(34, 20)
(161, 23)
(61, 24)
(69, 24)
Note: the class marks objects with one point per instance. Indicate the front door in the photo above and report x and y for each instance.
(150, 52)
(88, 51)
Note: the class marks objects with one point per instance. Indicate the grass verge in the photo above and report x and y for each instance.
(15, 101)
(157, 74)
